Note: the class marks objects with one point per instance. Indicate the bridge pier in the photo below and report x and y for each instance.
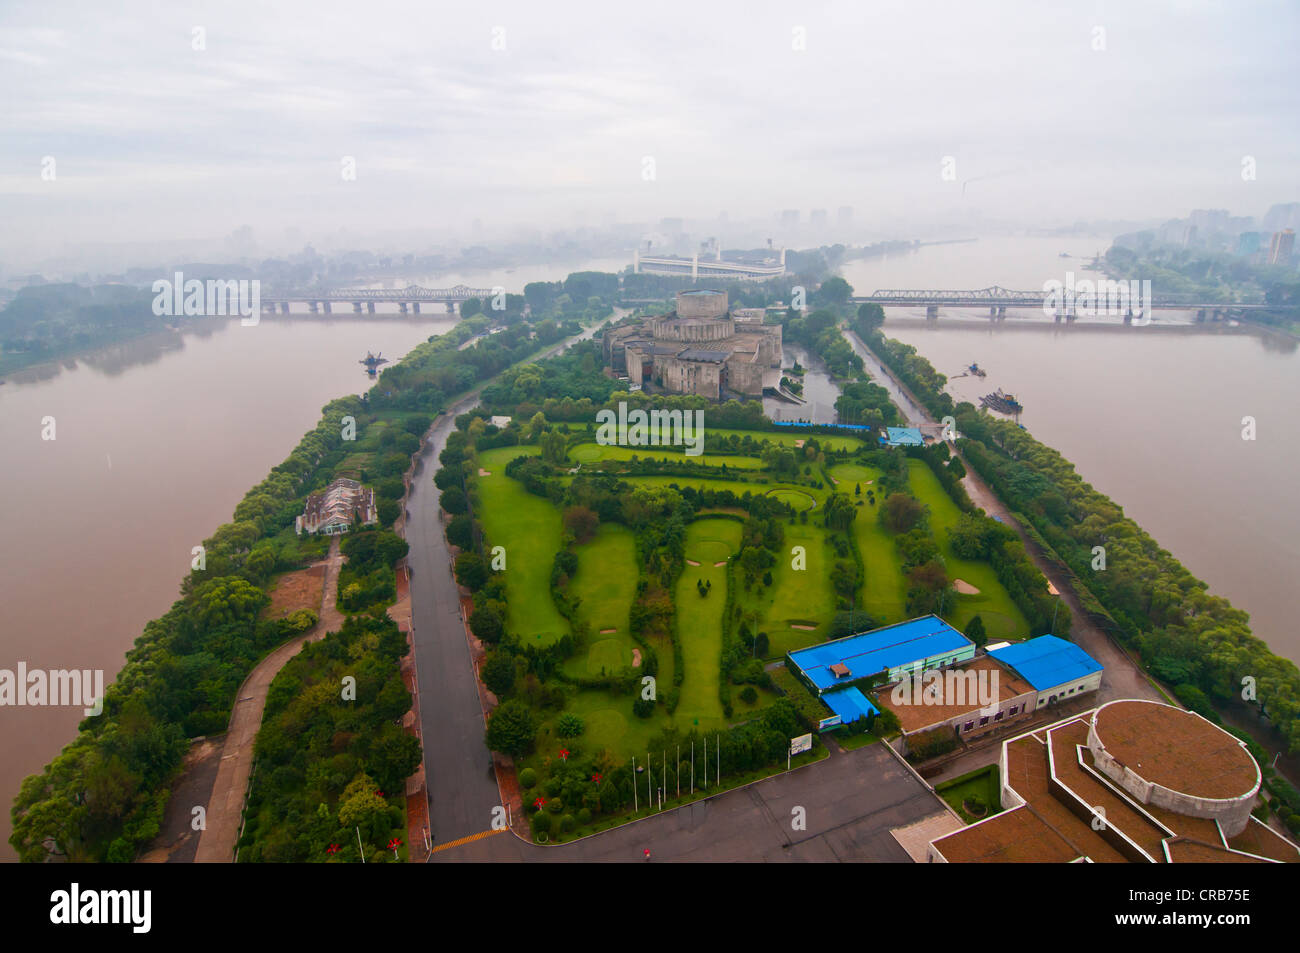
(1002, 312)
(327, 307)
(356, 307)
(269, 307)
(415, 306)
(931, 312)
(451, 307)
(993, 311)
(1200, 315)
(370, 306)
(314, 306)
(402, 306)
(284, 307)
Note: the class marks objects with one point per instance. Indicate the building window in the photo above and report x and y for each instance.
(970, 725)
(984, 721)
(998, 716)
(1013, 709)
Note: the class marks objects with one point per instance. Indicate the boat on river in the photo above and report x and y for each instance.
(1002, 403)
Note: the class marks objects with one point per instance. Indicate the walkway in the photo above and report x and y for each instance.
(226, 805)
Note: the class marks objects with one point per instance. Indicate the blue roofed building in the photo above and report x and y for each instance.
(902, 437)
(849, 705)
(1057, 669)
(894, 651)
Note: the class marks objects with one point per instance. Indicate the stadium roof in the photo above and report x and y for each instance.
(1047, 661)
(879, 650)
(850, 705)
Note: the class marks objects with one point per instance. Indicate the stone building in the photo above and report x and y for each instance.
(699, 348)
(333, 510)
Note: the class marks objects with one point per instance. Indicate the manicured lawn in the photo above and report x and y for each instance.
(606, 584)
(592, 452)
(529, 529)
(884, 590)
(1002, 617)
(795, 596)
(788, 438)
(699, 620)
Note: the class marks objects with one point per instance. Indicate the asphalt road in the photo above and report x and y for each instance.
(458, 768)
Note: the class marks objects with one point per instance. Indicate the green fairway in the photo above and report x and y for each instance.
(699, 619)
(884, 590)
(529, 529)
(606, 584)
(787, 438)
(796, 597)
(1002, 617)
(592, 452)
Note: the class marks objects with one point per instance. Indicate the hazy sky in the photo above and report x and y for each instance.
(153, 139)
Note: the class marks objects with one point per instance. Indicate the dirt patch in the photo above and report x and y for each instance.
(636, 658)
(799, 443)
(608, 631)
(964, 587)
(797, 625)
(482, 472)
(691, 562)
(301, 589)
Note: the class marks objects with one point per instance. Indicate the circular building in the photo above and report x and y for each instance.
(1176, 760)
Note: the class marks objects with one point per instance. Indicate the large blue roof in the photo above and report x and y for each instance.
(903, 437)
(850, 705)
(879, 650)
(1047, 661)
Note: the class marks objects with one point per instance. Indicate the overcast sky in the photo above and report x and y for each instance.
(153, 139)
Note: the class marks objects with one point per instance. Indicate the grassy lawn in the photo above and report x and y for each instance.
(699, 620)
(606, 584)
(795, 596)
(982, 783)
(789, 439)
(592, 452)
(1002, 617)
(884, 590)
(529, 529)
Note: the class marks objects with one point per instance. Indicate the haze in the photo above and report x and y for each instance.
(156, 141)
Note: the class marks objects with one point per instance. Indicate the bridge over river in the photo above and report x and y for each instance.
(1086, 296)
(410, 297)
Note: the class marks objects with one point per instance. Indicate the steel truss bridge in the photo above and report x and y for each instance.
(997, 297)
(411, 295)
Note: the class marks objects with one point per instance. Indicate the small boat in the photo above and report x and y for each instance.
(372, 362)
(976, 370)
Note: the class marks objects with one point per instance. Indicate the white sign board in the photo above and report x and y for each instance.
(801, 744)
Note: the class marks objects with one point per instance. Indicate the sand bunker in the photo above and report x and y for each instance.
(482, 472)
(608, 631)
(691, 562)
(806, 628)
(964, 587)
(723, 563)
(636, 658)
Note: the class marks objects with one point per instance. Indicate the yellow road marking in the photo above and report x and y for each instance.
(466, 840)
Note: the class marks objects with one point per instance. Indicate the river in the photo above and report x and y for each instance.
(1152, 417)
(155, 442)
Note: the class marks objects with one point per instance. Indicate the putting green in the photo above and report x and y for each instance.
(607, 656)
(796, 498)
(586, 453)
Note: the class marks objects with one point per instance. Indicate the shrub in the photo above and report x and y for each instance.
(584, 816)
(567, 823)
(541, 822)
(528, 779)
(749, 694)
(643, 707)
(569, 725)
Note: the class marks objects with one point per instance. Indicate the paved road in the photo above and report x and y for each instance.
(458, 769)
(851, 801)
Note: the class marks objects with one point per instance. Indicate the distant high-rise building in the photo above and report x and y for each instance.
(818, 218)
(790, 218)
(1281, 216)
(1248, 243)
(1282, 247)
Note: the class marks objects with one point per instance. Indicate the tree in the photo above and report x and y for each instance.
(498, 673)
(511, 729)
(975, 632)
(486, 624)
(471, 571)
(471, 307)
(870, 317)
(569, 725)
(582, 522)
(454, 501)
(900, 512)
(360, 802)
(460, 531)
(834, 291)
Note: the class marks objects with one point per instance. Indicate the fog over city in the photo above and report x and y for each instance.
(139, 124)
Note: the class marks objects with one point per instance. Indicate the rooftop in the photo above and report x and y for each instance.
(1176, 749)
(1047, 661)
(879, 650)
(920, 715)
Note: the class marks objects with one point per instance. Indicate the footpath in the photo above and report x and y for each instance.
(229, 791)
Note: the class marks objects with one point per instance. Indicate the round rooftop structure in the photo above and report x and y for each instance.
(1175, 759)
(701, 304)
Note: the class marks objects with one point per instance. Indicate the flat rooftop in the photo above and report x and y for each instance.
(1176, 749)
(923, 714)
(879, 650)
